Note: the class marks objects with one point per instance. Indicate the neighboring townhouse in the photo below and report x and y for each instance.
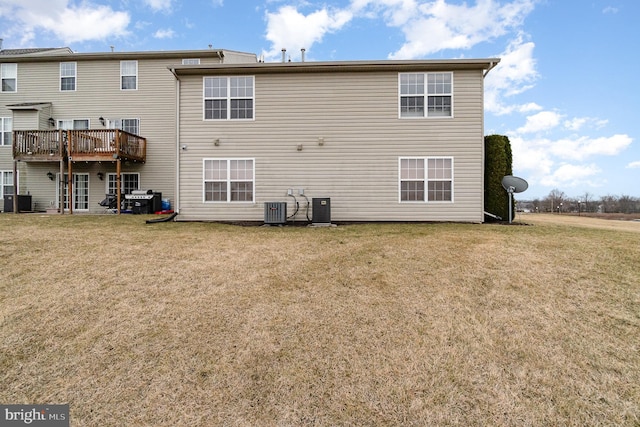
(91, 115)
(223, 136)
(375, 140)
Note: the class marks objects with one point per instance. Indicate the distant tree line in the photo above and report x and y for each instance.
(558, 201)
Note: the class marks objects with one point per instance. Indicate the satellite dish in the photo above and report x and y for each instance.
(513, 184)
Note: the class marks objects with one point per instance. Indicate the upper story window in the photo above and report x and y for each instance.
(129, 75)
(9, 73)
(426, 179)
(228, 98)
(426, 95)
(67, 76)
(191, 61)
(5, 130)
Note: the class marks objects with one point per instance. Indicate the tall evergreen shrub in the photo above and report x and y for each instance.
(497, 164)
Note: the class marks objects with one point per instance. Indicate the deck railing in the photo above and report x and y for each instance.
(85, 145)
(38, 144)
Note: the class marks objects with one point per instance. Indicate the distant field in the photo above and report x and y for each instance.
(620, 222)
(195, 324)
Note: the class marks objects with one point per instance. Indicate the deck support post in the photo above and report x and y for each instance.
(118, 182)
(61, 188)
(70, 186)
(15, 186)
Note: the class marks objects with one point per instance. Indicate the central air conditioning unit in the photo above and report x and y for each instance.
(275, 213)
(321, 208)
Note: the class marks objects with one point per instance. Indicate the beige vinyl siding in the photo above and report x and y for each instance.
(357, 167)
(97, 95)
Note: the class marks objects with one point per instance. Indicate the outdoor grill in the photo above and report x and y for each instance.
(144, 201)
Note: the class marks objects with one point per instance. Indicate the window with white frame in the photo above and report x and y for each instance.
(426, 95)
(6, 184)
(6, 135)
(128, 125)
(9, 75)
(129, 75)
(128, 183)
(228, 98)
(80, 191)
(228, 180)
(73, 124)
(67, 76)
(191, 61)
(426, 179)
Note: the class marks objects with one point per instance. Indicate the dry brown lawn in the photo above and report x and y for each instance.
(197, 324)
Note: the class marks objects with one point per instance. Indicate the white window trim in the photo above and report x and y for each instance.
(3, 184)
(66, 189)
(426, 180)
(59, 121)
(129, 75)
(3, 120)
(229, 98)
(229, 201)
(75, 77)
(2, 77)
(426, 97)
(113, 174)
(116, 123)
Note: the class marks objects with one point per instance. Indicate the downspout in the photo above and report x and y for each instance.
(492, 65)
(176, 207)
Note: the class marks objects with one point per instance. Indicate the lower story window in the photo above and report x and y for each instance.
(128, 183)
(6, 184)
(426, 179)
(80, 191)
(228, 180)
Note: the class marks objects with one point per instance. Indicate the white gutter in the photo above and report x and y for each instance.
(492, 65)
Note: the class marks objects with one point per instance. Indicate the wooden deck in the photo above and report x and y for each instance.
(78, 145)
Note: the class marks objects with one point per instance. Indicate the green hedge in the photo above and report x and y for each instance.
(497, 164)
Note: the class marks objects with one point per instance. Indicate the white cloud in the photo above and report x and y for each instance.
(436, 25)
(559, 162)
(578, 123)
(634, 165)
(515, 74)
(67, 21)
(164, 34)
(395, 12)
(428, 26)
(159, 5)
(531, 156)
(583, 147)
(569, 175)
(540, 122)
(610, 9)
(289, 29)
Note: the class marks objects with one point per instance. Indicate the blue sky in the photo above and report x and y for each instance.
(565, 92)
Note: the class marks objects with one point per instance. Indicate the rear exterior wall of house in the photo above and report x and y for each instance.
(336, 135)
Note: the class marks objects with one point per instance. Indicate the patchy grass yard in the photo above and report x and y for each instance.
(194, 324)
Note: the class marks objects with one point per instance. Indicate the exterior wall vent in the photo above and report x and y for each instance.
(275, 213)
